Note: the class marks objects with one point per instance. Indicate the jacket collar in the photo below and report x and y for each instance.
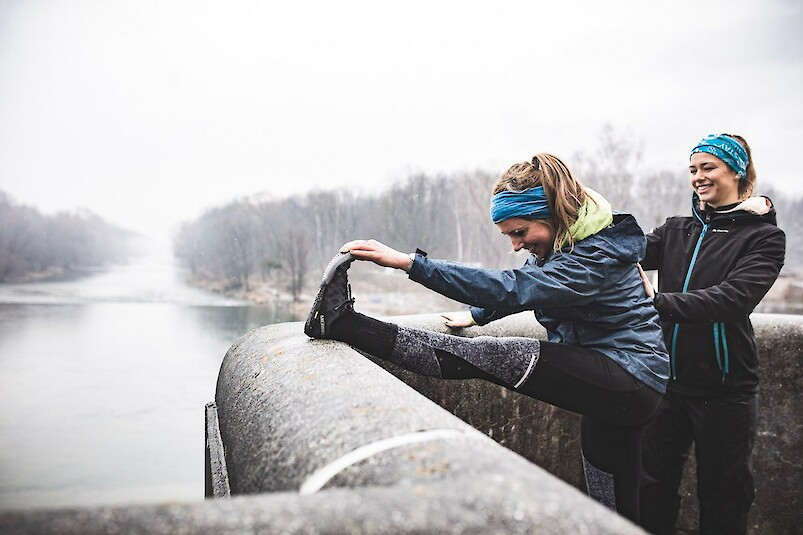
(757, 206)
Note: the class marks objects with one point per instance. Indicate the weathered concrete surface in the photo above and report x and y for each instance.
(289, 406)
(216, 476)
(492, 504)
(549, 437)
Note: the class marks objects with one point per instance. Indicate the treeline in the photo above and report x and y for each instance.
(33, 244)
(287, 242)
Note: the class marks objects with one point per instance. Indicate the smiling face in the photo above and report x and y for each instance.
(535, 236)
(714, 181)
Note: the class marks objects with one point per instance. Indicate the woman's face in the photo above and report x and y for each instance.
(533, 235)
(714, 181)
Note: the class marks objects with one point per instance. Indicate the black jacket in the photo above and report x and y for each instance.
(713, 269)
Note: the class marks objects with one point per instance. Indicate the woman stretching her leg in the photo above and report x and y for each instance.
(605, 357)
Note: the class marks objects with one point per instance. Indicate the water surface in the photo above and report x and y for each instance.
(103, 384)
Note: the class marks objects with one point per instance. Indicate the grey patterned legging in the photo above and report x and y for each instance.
(615, 405)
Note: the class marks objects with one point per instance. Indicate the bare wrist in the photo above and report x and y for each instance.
(412, 259)
(409, 265)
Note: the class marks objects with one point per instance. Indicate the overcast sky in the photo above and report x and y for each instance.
(148, 112)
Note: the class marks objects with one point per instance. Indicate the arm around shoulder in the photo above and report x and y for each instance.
(652, 258)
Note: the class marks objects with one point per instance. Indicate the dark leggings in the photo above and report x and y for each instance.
(615, 406)
(723, 431)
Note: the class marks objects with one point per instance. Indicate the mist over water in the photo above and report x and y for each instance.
(104, 381)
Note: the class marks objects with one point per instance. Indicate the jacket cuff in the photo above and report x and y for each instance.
(660, 304)
(481, 316)
(415, 266)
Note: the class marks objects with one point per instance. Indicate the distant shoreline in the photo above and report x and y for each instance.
(378, 291)
(53, 274)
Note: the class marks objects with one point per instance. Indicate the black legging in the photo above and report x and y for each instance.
(615, 406)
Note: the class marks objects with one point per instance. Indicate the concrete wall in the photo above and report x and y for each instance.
(315, 416)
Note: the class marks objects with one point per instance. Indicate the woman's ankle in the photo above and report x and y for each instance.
(365, 333)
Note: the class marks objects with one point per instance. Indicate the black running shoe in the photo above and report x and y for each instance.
(333, 299)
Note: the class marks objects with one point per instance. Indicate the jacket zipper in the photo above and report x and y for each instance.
(672, 357)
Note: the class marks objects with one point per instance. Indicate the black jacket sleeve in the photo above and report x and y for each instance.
(653, 257)
(737, 295)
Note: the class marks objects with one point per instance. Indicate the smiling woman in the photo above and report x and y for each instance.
(716, 184)
(604, 359)
(722, 170)
(532, 235)
(541, 207)
(714, 267)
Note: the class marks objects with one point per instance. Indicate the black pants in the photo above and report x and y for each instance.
(723, 431)
(615, 406)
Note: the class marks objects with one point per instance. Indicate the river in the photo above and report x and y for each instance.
(104, 381)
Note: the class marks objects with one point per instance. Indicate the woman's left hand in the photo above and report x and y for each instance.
(458, 320)
(646, 282)
(378, 253)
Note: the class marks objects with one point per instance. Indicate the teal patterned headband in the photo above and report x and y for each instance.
(726, 149)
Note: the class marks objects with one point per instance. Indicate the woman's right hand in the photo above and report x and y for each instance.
(646, 282)
(378, 253)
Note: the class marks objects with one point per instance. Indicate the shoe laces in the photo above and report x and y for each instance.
(349, 301)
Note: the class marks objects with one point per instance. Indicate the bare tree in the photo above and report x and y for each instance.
(482, 241)
(789, 212)
(293, 237)
(665, 194)
(610, 168)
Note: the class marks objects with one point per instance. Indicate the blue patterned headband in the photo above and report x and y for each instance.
(530, 202)
(726, 149)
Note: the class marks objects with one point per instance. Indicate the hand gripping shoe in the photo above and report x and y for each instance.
(333, 299)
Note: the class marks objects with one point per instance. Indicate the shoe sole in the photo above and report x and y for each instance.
(314, 319)
(336, 262)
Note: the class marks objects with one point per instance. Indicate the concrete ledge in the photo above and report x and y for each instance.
(216, 475)
(467, 505)
(290, 408)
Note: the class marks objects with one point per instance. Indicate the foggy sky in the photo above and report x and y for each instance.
(149, 112)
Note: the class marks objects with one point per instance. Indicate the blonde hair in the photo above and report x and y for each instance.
(747, 185)
(564, 193)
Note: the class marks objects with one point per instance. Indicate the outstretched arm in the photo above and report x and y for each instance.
(383, 255)
(378, 253)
